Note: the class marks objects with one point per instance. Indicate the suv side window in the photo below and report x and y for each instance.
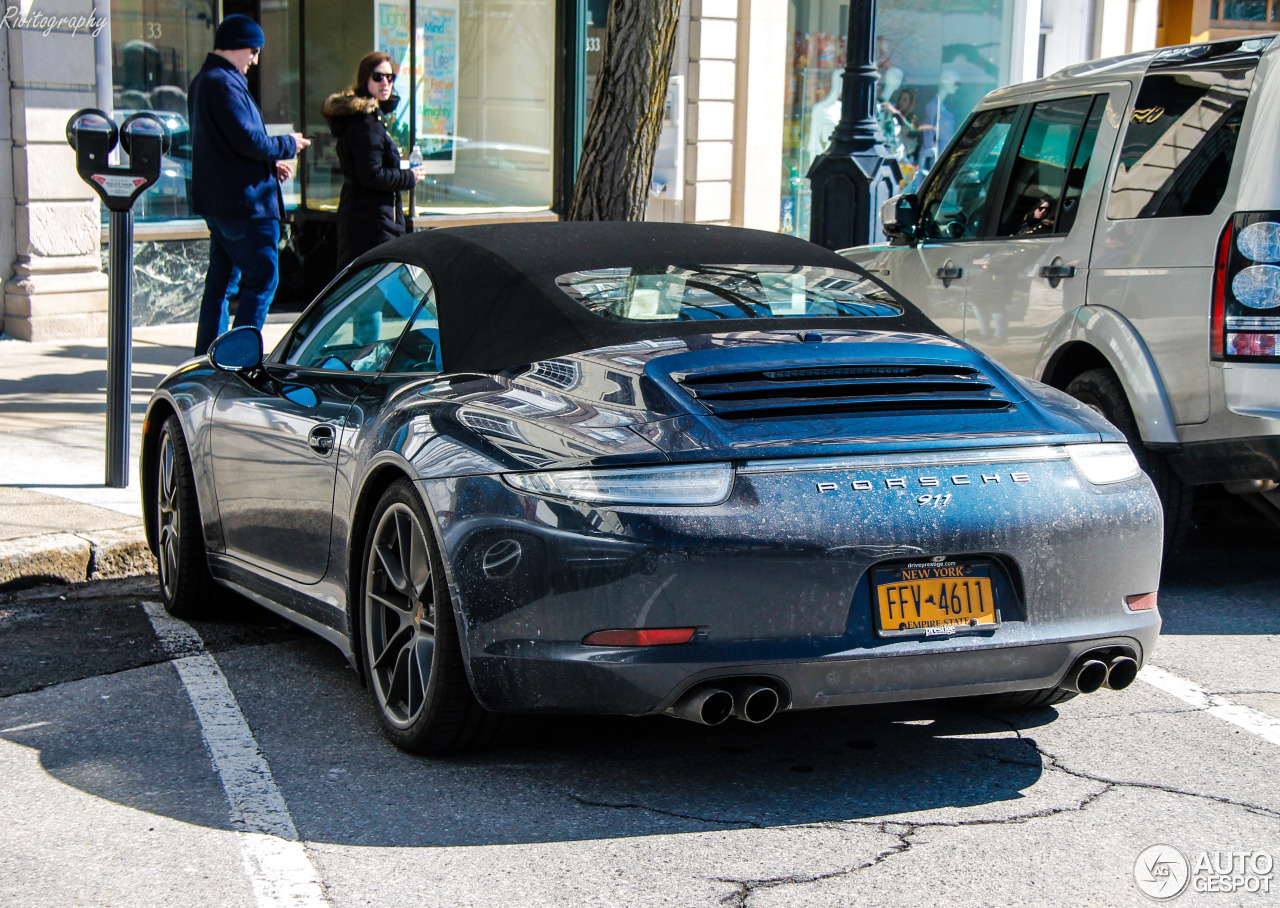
(1033, 202)
(957, 197)
(1078, 176)
(1177, 149)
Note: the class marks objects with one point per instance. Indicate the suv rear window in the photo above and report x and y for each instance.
(1180, 141)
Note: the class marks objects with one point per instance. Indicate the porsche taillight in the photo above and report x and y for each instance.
(1245, 318)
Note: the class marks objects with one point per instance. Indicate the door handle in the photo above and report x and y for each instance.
(321, 440)
(1056, 272)
(948, 273)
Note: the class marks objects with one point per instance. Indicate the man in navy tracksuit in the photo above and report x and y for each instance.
(236, 169)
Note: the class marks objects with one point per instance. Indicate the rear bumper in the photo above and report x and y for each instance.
(1229, 460)
(573, 681)
(778, 580)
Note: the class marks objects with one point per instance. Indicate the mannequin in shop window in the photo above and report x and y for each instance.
(824, 117)
(939, 123)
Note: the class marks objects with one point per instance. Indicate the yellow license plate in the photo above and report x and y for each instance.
(934, 598)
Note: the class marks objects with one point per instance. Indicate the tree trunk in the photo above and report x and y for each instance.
(626, 112)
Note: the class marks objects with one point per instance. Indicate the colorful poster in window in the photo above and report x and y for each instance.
(434, 85)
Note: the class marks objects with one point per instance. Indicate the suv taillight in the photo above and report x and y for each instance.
(1246, 289)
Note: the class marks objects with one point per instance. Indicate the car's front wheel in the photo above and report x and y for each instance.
(185, 584)
(412, 656)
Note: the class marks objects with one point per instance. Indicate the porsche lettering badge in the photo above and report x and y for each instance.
(928, 482)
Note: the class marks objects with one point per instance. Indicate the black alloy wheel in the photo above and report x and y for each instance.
(412, 656)
(1101, 391)
(185, 583)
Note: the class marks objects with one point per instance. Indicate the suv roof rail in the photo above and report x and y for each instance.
(1217, 51)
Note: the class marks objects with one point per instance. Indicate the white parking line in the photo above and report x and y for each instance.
(1265, 727)
(278, 866)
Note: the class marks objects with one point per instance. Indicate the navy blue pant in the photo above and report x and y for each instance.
(247, 246)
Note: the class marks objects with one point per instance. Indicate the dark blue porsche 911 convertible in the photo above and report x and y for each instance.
(636, 468)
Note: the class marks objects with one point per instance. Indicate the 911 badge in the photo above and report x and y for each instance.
(928, 482)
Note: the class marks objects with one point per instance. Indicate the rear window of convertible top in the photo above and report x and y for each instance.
(688, 292)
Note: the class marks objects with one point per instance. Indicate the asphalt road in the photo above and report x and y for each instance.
(121, 783)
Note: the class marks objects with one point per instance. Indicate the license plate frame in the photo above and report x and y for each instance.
(965, 583)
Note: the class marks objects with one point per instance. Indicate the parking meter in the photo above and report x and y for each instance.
(144, 140)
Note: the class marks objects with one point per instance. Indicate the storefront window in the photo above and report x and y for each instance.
(485, 105)
(479, 107)
(278, 83)
(339, 33)
(157, 46)
(935, 59)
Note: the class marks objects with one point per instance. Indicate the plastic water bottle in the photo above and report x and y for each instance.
(415, 156)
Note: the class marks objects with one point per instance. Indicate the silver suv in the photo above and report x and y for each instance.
(1114, 230)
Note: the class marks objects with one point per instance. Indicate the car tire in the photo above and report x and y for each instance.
(1101, 390)
(411, 653)
(1026, 699)
(186, 587)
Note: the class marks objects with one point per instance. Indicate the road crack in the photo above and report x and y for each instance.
(746, 888)
(632, 805)
(1053, 762)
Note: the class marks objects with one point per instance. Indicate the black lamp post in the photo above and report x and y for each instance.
(855, 175)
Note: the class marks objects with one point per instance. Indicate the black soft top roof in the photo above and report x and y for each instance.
(499, 305)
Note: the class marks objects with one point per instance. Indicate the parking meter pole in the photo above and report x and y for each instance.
(144, 141)
(119, 347)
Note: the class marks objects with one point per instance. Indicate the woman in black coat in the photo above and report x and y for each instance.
(369, 211)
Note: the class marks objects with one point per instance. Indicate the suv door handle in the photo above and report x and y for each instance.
(321, 440)
(948, 273)
(1055, 273)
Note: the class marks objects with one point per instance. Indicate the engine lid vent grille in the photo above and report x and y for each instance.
(863, 388)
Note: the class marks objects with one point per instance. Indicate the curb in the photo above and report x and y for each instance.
(75, 557)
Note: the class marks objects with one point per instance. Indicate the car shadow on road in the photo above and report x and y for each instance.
(560, 779)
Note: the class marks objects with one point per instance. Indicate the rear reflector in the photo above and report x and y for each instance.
(1251, 345)
(1141, 602)
(641, 636)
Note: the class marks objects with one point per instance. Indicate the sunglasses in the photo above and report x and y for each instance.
(382, 77)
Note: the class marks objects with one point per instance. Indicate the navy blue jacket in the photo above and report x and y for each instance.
(233, 172)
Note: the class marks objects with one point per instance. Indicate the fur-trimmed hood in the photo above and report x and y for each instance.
(348, 104)
(347, 107)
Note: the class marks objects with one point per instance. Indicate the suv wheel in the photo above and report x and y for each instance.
(1102, 391)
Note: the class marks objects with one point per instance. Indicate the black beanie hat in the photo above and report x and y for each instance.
(237, 32)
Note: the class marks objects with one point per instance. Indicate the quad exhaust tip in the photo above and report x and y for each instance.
(1096, 670)
(705, 705)
(1122, 672)
(710, 705)
(1086, 676)
(754, 703)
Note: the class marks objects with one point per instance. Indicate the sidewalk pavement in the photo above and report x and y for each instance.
(58, 519)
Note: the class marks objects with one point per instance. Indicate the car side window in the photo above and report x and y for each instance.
(956, 199)
(1180, 141)
(419, 349)
(1078, 177)
(359, 331)
(1034, 198)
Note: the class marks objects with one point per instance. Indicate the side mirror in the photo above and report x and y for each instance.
(239, 350)
(900, 216)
